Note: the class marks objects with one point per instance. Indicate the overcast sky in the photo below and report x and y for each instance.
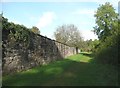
(47, 16)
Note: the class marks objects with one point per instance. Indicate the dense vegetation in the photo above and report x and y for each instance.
(16, 33)
(107, 29)
(69, 34)
(97, 68)
(108, 33)
(105, 49)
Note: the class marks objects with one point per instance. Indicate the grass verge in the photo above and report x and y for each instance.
(76, 70)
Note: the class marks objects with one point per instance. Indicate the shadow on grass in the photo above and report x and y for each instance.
(91, 55)
(87, 54)
(64, 73)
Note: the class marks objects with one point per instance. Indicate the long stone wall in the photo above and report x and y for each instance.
(17, 57)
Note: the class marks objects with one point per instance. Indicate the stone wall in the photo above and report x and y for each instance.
(17, 57)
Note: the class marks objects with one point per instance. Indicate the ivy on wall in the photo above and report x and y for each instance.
(15, 32)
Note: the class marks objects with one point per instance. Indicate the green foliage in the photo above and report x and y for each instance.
(95, 44)
(89, 45)
(109, 35)
(107, 52)
(15, 32)
(105, 19)
(35, 30)
(5, 23)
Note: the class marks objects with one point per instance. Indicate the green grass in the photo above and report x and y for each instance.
(76, 70)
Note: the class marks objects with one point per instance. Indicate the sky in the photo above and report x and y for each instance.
(47, 15)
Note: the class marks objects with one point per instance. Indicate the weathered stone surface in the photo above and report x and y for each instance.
(42, 50)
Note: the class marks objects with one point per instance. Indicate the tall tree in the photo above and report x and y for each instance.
(107, 30)
(105, 19)
(68, 34)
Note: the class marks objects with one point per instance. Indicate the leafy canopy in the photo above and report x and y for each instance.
(106, 19)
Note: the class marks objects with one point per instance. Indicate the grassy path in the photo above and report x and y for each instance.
(76, 70)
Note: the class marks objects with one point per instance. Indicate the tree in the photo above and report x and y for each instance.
(68, 34)
(107, 30)
(105, 19)
(89, 45)
(35, 30)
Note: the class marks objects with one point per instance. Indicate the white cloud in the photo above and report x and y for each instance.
(84, 12)
(46, 19)
(88, 34)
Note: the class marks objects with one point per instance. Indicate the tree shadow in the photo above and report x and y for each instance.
(40, 50)
(87, 54)
(64, 73)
